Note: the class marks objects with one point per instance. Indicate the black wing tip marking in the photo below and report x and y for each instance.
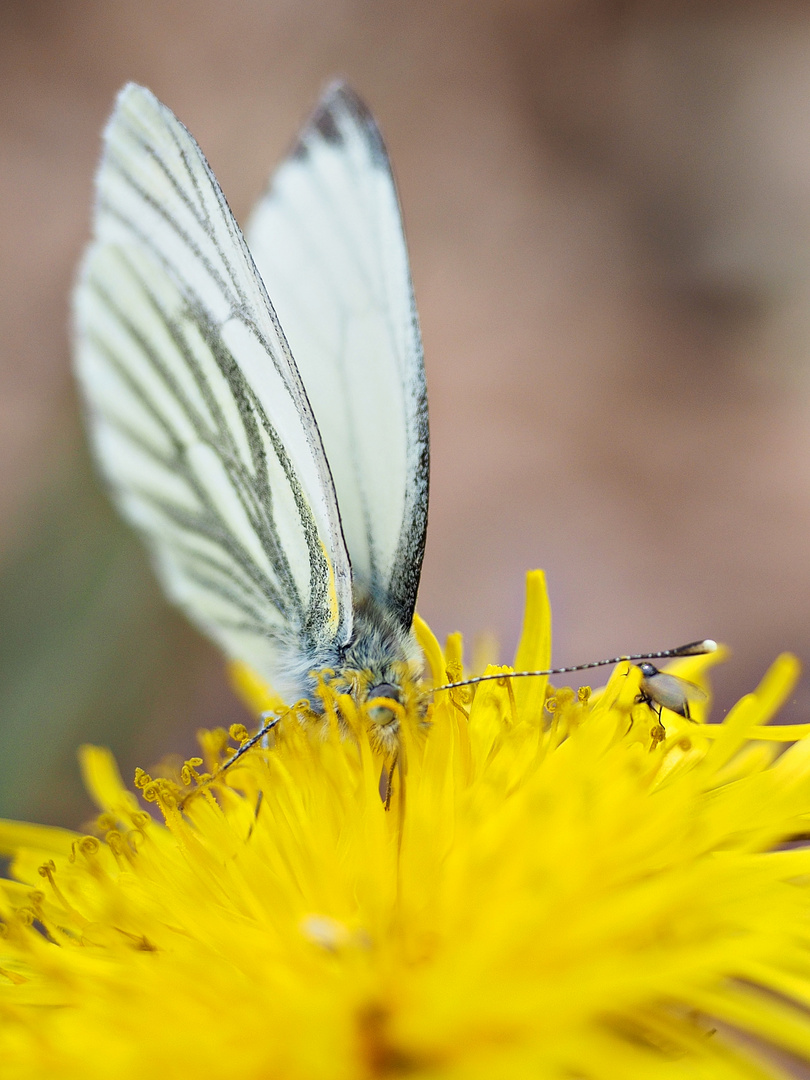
(338, 107)
(339, 93)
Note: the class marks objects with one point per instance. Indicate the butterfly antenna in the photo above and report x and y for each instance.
(694, 648)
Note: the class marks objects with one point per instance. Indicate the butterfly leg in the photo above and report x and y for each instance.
(387, 782)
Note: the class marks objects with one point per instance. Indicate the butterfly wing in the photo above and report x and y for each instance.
(328, 242)
(196, 409)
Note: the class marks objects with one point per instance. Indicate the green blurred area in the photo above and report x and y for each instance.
(89, 650)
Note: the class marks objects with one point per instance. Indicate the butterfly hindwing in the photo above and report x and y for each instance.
(198, 414)
(328, 241)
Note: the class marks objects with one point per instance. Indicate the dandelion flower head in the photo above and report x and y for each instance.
(558, 886)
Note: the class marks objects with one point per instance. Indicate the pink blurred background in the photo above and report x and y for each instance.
(608, 212)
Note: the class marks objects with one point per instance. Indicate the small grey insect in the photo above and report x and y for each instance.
(668, 691)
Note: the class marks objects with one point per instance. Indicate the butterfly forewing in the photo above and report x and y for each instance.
(198, 414)
(327, 239)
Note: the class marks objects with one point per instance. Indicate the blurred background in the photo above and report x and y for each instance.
(608, 211)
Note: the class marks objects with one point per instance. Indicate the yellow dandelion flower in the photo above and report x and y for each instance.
(559, 889)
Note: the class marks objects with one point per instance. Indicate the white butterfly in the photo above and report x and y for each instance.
(273, 455)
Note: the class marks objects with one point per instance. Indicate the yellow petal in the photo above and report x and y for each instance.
(534, 648)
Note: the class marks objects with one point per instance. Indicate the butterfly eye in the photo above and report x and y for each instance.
(385, 690)
(382, 714)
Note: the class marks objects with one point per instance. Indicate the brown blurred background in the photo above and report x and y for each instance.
(608, 210)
